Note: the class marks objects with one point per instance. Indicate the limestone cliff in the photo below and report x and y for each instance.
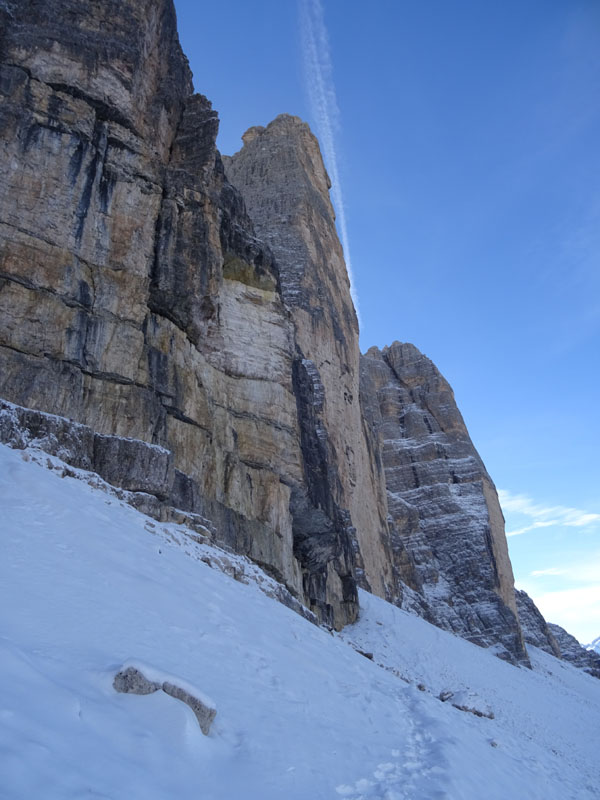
(134, 296)
(285, 186)
(450, 555)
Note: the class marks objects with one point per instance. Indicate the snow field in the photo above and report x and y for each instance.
(88, 583)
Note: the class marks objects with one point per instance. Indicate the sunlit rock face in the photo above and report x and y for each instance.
(134, 296)
(281, 176)
(450, 553)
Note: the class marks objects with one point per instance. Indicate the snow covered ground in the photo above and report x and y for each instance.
(88, 583)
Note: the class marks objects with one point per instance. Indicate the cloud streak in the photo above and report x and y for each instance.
(318, 72)
(544, 516)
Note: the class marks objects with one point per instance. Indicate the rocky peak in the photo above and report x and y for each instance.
(571, 650)
(535, 628)
(284, 183)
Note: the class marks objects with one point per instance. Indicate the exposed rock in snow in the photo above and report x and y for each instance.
(132, 679)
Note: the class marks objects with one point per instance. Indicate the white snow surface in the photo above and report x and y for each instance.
(87, 584)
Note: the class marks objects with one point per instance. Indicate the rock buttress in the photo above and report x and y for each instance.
(450, 554)
(280, 173)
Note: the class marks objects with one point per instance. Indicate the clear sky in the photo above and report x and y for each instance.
(466, 138)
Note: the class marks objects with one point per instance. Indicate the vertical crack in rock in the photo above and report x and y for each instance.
(322, 531)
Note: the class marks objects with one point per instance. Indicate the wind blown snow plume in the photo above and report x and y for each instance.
(318, 73)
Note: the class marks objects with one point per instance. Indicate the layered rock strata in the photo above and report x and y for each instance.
(536, 630)
(135, 298)
(450, 546)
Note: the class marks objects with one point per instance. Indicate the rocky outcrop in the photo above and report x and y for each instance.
(449, 543)
(554, 639)
(536, 630)
(572, 651)
(132, 680)
(135, 298)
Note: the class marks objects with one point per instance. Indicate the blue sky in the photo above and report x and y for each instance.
(469, 171)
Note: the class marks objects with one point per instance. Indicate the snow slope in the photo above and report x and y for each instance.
(88, 583)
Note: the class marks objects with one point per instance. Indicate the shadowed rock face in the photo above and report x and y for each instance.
(535, 629)
(572, 651)
(448, 540)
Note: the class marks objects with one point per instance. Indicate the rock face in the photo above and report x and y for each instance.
(285, 186)
(554, 639)
(135, 298)
(448, 540)
(536, 630)
(572, 651)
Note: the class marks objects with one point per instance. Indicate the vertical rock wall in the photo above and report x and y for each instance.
(451, 549)
(134, 296)
(280, 173)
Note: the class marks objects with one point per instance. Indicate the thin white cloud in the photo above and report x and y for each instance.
(550, 571)
(587, 571)
(318, 71)
(544, 516)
